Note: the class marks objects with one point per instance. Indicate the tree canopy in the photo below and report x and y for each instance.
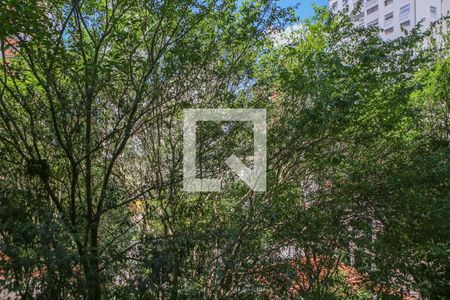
(91, 149)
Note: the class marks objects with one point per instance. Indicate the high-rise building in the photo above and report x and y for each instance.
(393, 15)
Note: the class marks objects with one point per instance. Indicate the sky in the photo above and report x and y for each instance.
(305, 9)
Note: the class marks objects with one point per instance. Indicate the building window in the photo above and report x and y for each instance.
(388, 2)
(433, 11)
(358, 17)
(345, 5)
(405, 24)
(388, 18)
(372, 10)
(389, 30)
(404, 11)
(373, 23)
(370, 2)
(334, 6)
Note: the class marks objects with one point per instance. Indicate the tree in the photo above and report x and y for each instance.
(87, 77)
(349, 150)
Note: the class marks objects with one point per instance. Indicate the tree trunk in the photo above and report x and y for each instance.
(91, 264)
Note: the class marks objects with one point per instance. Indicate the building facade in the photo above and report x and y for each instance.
(393, 15)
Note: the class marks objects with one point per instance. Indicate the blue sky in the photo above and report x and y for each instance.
(305, 9)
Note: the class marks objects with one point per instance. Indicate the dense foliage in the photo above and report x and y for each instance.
(91, 105)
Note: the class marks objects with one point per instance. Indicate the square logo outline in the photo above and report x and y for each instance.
(254, 177)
